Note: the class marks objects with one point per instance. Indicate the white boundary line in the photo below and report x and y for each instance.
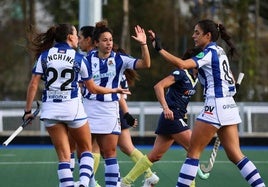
(120, 162)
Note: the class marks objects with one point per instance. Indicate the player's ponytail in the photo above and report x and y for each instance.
(227, 38)
(40, 42)
(44, 41)
(217, 30)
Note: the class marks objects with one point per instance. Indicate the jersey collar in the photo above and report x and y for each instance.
(63, 44)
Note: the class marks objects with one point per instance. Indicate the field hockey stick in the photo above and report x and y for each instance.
(212, 157)
(22, 126)
(207, 169)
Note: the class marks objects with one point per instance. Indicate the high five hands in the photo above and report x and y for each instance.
(156, 42)
(140, 35)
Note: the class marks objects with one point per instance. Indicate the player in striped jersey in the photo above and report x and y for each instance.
(220, 113)
(172, 124)
(60, 66)
(126, 119)
(103, 110)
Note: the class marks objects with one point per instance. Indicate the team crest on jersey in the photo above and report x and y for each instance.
(110, 62)
(200, 55)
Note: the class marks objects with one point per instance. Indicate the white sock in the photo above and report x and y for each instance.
(72, 162)
(86, 168)
(188, 172)
(112, 173)
(249, 171)
(65, 174)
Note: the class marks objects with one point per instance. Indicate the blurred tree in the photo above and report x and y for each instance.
(62, 11)
(14, 60)
(172, 20)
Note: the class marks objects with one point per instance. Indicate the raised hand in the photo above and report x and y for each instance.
(140, 35)
(156, 42)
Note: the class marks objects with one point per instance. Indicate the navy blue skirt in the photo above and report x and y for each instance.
(166, 126)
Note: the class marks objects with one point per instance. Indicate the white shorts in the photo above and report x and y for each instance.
(220, 112)
(103, 117)
(65, 111)
(72, 124)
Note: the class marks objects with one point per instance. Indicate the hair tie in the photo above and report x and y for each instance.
(218, 27)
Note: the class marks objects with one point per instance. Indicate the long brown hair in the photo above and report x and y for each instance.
(44, 41)
(217, 30)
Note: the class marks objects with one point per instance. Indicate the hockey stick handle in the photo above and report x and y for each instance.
(12, 136)
(24, 124)
(214, 152)
(212, 157)
(240, 78)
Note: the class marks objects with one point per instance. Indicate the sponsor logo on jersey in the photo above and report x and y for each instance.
(200, 55)
(209, 110)
(229, 106)
(104, 75)
(189, 92)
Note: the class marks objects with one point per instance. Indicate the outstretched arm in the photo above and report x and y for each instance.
(178, 62)
(145, 61)
(95, 89)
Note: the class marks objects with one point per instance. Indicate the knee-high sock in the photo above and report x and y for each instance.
(188, 172)
(86, 167)
(139, 168)
(65, 174)
(96, 161)
(249, 171)
(72, 162)
(112, 173)
(135, 155)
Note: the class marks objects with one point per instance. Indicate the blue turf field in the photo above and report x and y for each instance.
(33, 166)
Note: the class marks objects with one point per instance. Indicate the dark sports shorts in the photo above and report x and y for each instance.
(166, 126)
(124, 124)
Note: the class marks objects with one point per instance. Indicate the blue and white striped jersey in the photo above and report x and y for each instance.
(61, 67)
(108, 73)
(214, 72)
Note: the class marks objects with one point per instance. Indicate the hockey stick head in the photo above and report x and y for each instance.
(205, 169)
(202, 175)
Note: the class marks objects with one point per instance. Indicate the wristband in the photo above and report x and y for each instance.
(157, 43)
(25, 113)
(130, 120)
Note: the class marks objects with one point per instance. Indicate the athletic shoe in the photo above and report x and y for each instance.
(77, 184)
(93, 183)
(193, 184)
(125, 185)
(97, 184)
(150, 181)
